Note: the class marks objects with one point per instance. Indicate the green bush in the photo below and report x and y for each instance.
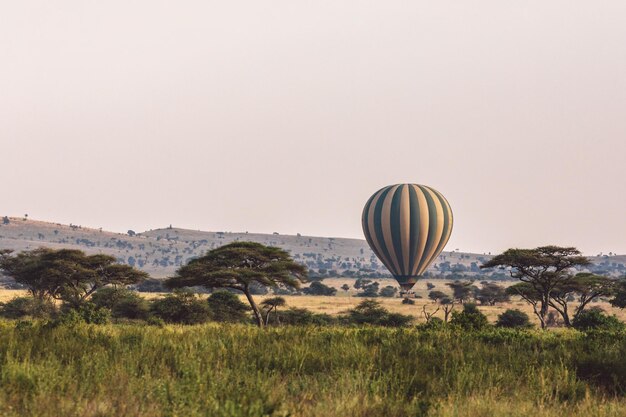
(122, 302)
(470, 318)
(513, 318)
(107, 297)
(302, 316)
(388, 291)
(182, 306)
(594, 319)
(317, 288)
(87, 313)
(435, 323)
(372, 312)
(132, 307)
(20, 307)
(227, 307)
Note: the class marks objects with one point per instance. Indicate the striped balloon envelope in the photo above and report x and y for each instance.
(407, 227)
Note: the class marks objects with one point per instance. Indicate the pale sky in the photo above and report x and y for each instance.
(287, 115)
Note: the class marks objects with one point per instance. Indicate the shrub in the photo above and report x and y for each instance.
(372, 312)
(596, 320)
(317, 288)
(513, 318)
(433, 324)
(151, 285)
(182, 306)
(131, 307)
(86, 313)
(408, 301)
(470, 318)
(302, 316)
(155, 321)
(388, 291)
(122, 302)
(20, 307)
(369, 290)
(227, 307)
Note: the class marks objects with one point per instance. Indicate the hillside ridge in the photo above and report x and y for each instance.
(161, 251)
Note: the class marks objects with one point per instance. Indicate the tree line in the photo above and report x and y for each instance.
(549, 279)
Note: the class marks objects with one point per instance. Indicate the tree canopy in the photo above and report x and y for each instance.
(543, 269)
(66, 274)
(239, 265)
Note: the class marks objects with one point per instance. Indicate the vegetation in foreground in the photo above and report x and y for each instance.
(78, 369)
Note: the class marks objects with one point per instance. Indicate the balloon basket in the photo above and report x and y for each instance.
(407, 294)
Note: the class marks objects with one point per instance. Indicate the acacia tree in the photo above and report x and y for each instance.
(619, 296)
(270, 304)
(66, 274)
(491, 293)
(529, 294)
(27, 268)
(447, 304)
(239, 265)
(582, 288)
(544, 268)
(437, 295)
(462, 290)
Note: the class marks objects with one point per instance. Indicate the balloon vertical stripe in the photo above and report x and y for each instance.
(386, 219)
(369, 227)
(423, 228)
(407, 226)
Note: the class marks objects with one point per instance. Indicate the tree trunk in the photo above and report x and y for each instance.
(257, 313)
(538, 313)
(565, 315)
(543, 311)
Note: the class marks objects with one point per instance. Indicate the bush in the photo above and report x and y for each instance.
(470, 318)
(132, 307)
(302, 316)
(227, 307)
(596, 320)
(408, 301)
(86, 313)
(151, 285)
(388, 291)
(434, 323)
(369, 290)
(513, 318)
(20, 307)
(372, 312)
(107, 297)
(182, 306)
(122, 302)
(317, 288)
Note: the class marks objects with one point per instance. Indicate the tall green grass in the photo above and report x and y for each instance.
(238, 370)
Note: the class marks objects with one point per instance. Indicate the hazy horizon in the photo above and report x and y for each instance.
(286, 117)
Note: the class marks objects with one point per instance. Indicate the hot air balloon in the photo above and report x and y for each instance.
(407, 227)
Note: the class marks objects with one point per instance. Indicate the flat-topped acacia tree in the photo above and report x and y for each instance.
(237, 266)
(543, 270)
(68, 275)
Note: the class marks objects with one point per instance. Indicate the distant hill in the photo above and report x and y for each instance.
(159, 252)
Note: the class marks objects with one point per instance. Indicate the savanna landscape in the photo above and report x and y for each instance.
(312, 208)
(86, 334)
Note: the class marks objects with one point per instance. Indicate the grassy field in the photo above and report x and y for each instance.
(238, 370)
